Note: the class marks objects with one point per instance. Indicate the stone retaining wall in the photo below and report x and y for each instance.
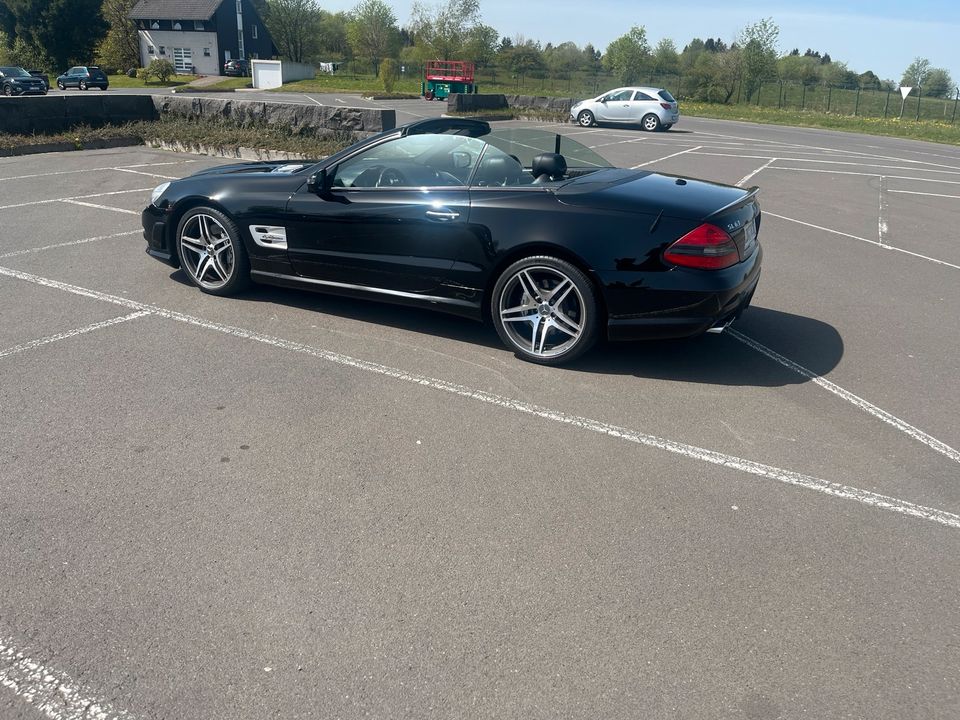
(58, 113)
(468, 103)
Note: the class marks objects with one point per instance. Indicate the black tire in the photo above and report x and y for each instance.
(586, 119)
(564, 327)
(7, 90)
(650, 122)
(103, 89)
(61, 85)
(83, 85)
(666, 127)
(237, 275)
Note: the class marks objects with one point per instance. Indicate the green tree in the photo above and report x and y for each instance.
(295, 26)
(388, 73)
(666, 59)
(120, 49)
(66, 31)
(443, 30)
(629, 55)
(799, 68)
(373, 32)
(869, 80)
(481, 45)
(938, 83)
(916, 72)
(563, 59)
(332, 40)
(759, 53)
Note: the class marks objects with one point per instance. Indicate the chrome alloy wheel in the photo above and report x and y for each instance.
(207, 251)
(542, 311)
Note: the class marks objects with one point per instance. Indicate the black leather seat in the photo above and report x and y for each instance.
(499, 171)
(548, 167)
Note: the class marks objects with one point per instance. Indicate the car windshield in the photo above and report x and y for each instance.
(14, 72)
(525, 144)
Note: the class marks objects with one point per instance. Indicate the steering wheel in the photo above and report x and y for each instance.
(390, 177)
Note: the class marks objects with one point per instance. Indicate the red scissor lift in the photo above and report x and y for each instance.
(442, 77)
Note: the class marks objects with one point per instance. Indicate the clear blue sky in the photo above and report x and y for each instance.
(879, 35)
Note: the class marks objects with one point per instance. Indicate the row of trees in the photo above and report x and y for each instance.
(54, 34)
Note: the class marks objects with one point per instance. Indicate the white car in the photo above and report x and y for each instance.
(650, 108)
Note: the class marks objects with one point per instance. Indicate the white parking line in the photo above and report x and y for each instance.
(833, 162)
(148, 174)
(102, 207)
(861, 239)
(914, 192)
(880, 414)
(881, 211)
(87, 170)
(748, 176)
(30, 251)
(75, 197)
(651, 162)
(71, 333)
(839, 490)
(51, 692)
(867, 174)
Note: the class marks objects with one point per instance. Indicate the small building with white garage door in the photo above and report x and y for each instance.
(199, 36)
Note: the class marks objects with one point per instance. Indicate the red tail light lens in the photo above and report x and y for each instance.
(666, 106)
(706, 247)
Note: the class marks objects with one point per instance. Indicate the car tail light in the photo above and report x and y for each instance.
(666, 106)
(706, 247)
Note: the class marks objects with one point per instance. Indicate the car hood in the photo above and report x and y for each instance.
(273, 167)
(648, 192)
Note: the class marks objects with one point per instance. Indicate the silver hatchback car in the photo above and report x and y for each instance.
(650, 108)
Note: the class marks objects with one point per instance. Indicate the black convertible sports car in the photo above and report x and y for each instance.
(525, 228)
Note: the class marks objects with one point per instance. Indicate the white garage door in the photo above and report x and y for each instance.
(183, 60)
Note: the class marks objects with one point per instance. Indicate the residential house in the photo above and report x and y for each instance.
(199, 36)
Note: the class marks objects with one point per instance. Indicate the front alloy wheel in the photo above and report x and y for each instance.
(7, 90)
(211, 252)
(83, 84)
(545, 310)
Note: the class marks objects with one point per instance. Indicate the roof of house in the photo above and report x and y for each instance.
(174, 9)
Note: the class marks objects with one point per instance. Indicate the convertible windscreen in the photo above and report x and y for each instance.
(525, 144)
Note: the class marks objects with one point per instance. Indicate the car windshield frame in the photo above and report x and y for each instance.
(14, 72)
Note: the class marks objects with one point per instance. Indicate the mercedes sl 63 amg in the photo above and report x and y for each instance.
(522, 228)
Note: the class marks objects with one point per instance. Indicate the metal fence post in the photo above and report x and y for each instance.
(803, 98)
(886, 104)
(679, 85)
(955, 106)
(856, 107)
(759, 92)
(829, 95)
(919, 95)
(739, 88)
(780, 97)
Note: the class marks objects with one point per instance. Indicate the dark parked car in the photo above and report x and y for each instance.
(239, 68)
(83, 77)
(17, 81)
(527, 229)
(43, 77)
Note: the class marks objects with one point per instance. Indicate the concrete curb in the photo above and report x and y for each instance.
(69, 146)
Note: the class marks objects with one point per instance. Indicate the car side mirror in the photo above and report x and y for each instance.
(319, 182)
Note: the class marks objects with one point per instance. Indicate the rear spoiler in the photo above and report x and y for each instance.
(743, 199)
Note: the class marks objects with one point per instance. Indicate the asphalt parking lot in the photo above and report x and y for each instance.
(296, 505)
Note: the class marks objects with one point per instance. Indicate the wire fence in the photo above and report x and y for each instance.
(784, 95)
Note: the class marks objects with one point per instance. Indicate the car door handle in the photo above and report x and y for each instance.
(442, 215)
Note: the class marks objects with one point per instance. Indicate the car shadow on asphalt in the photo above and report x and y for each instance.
(708, 359)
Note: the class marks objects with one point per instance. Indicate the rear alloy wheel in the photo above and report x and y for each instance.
(212, 253)
(586, 119)
(650, 122)
(83, 84)
(545, 310)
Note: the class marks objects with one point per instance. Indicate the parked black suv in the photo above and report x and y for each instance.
(239, 68)
(83, 77)
(43, 77)
(17, 81)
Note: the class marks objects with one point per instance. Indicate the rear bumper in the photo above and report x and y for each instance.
(688, 302)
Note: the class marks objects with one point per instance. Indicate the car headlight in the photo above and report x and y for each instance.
(157, 192)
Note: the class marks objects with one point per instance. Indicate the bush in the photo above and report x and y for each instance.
(388, 74)
(162, 70)
(132, 72)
